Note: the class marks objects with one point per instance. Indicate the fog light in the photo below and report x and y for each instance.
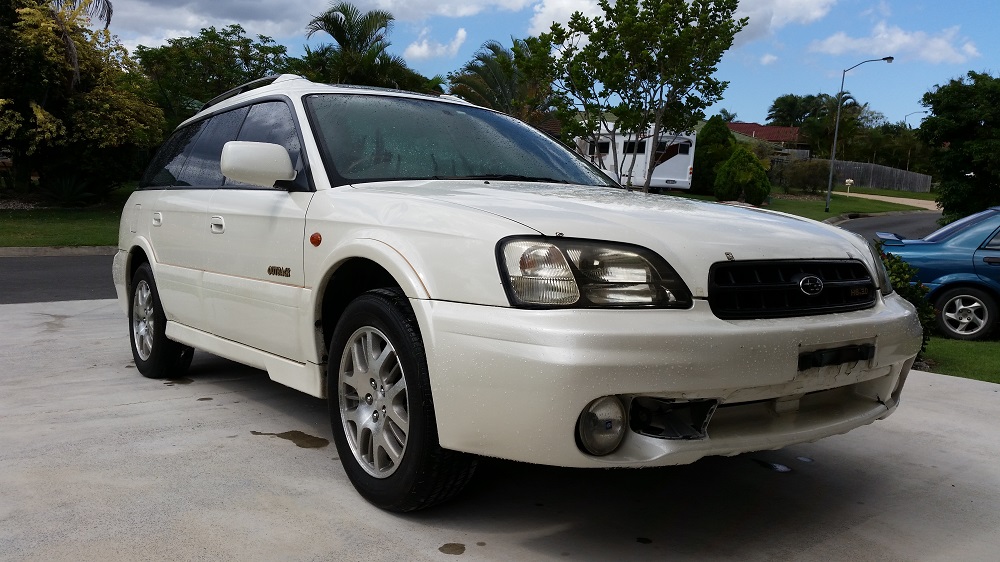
(602, 425)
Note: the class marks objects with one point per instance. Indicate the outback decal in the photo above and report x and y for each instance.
(279, 271)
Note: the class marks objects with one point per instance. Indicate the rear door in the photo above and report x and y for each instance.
(172, 214)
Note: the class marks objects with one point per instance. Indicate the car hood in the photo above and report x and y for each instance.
(689, 234)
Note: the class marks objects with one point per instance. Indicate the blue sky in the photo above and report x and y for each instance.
(789, 47)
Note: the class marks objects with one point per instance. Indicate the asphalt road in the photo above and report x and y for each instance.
(55, 278)
(907, 225)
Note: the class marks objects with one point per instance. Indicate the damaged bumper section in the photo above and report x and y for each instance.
(652, 388)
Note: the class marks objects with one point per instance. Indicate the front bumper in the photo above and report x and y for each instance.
(511, 383)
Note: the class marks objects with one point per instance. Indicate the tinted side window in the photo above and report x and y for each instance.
(273, 122)
(166, 166)
(202, 166)
(994, 243)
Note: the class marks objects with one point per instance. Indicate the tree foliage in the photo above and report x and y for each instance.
(715, 145)
(188, 71)
(359, 54)
(964, 133)
(66, 118)
(644, 66)
(516, 81)
(742, 177)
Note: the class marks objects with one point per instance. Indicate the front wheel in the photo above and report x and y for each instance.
(155, 356)
(381, 409)
(966, 313)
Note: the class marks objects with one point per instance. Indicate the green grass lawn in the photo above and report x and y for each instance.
(978, 360)
(59, 227)
(839, 205)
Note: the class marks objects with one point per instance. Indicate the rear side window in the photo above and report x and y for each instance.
(202, 166)
(166, 167)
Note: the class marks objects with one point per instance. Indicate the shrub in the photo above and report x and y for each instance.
(715, 145)
(742, 175)
(810, 176)
(901, 275)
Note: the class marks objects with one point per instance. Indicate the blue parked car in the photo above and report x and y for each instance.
(960, 264)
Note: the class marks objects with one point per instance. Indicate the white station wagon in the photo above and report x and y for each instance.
(458, 284)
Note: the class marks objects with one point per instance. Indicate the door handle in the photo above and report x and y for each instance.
(992, 261)
(217, 224)
(157, 218)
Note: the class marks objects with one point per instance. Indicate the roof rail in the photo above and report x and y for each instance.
(252, 85)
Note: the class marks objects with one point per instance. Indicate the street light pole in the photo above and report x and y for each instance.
(836, 125)
(912, 113)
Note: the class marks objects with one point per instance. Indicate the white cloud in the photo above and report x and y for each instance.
(549, 11)
(944, 47)
(423, 48)
(419, 10)
(768, 59)
(767, 16)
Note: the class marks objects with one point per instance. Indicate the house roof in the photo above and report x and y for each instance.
(769, 133)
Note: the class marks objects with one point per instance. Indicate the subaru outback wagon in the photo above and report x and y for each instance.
(457, 284)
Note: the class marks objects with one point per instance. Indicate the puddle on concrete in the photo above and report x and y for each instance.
(643, 540)
(57, 322)
(453, 548)
(204, 399)
(303, 440)
(803, 459)
(181, 380)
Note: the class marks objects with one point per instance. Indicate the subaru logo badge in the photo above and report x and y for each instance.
(811, 285)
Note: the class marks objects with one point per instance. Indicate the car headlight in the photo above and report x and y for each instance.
(884, 283)
(553, 273)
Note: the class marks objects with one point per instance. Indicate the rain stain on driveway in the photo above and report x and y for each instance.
(301, 439)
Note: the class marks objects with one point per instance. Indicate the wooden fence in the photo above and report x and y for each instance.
(877, 176)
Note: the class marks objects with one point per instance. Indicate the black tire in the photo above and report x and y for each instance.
(965, 313)
(155, 356)
(383, 421)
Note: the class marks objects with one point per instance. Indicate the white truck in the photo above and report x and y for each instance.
(673, 154)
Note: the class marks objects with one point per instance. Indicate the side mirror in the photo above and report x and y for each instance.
(256, 163)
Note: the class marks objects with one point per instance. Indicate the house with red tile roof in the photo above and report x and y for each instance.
(785, 137)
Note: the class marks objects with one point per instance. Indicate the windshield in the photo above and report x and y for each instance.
(961, 224)
(368, 138)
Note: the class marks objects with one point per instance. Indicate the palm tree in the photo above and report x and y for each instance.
(494, 78)
(101, 9)
(360, 55)
(490, 79)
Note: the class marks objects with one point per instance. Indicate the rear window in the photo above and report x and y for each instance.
(959, 225)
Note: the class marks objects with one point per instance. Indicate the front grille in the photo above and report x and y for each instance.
(773, 289)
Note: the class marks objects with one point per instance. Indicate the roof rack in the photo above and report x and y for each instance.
(252, 85)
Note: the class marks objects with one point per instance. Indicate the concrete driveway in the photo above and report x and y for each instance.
(98, 463)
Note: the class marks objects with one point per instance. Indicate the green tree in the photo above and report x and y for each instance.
(189, 71)
(360, 55)
(515, 81)
(491, 79)
(742, 176)
(101, 9)
(963, 130)
(73, 122)
(649, 63)
(727, 116)
(792, 110)
(715, 145)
